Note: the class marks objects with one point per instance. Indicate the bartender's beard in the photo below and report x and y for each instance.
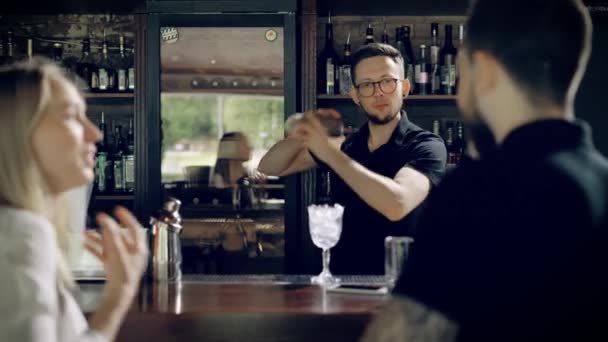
(379, 121)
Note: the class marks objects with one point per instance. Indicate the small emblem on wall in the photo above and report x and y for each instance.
(169, 34)
(271, 35)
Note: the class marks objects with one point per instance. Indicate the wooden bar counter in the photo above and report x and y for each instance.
(243, 308)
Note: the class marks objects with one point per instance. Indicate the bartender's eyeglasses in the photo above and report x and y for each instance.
(387, 86)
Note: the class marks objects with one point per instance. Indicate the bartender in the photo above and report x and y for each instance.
(380, 174)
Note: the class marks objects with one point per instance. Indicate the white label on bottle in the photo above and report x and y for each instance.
(434, 54)
(100, 171)
(94, 80)
(452, 75)
(129, 165)
(445, 75)
(424, 77)
(119, 179)
(418, 70)
(131, 78)
(103, 79)
(331, 74)
(346, 82)
(122, 80)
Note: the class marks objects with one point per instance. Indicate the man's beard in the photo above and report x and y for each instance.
(378, 121)
(481, 135)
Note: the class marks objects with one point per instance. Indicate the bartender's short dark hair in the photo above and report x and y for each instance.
(374, 50)
(543, 44)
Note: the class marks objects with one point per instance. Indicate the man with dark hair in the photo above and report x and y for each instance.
(380, 174)
(519, 252)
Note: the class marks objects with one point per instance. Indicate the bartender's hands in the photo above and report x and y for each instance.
(312, 134)
(124, 254)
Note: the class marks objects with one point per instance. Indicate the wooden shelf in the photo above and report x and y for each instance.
(114, 197)
(409, 98)
(109, 95)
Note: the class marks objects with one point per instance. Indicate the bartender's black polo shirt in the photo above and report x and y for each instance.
(515, 247)
(361, 246)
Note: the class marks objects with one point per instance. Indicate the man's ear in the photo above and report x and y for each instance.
(406, 87)
(486, 70)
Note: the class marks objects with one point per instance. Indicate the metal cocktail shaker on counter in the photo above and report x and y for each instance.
(166, 247)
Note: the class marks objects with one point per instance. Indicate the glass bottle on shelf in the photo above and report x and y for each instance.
(384, 38)
(369, 34)
(30, 49)
(400, 46)
(460, 142)
(117, 160)
(435, 76)
(131, 71)
(328, 64)
(107, 73)
(10, 47)
(122, 67)
(448, 67)
(2, 57)
(128, 160)
(101, 159)
(345, 75)
(422, 72)
(450, 144)
(436, 128)
(459, 48)
(58, 58)
(411, 59)
(86, 69)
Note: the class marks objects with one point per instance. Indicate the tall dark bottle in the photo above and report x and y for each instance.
(101, 160)
(131, 71)
(323, 187)
(107, 73)
(328, 64)
(450, 143)
(422, 73)
(345, 76)
(400, 46)
(2, 57)
(460, 46)
(10, 47)
(122, 67)
(384, 39)
(435, 77)
(369, 34)
(448, 64)
(117, 160)
(30, 49)
(410, 59)
(128, 160)
(86, 69)
(58, 59)
(460, 143)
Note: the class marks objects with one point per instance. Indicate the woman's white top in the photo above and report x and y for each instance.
(33, 307)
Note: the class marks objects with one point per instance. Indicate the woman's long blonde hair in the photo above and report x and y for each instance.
(25, 93)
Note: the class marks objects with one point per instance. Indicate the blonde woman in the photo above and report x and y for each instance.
(233, 151)
(47, 146)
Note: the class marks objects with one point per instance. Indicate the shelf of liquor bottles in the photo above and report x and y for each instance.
(429, 46)
(115, 159)
(409, 98)
(109, 95)
(114, 197)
